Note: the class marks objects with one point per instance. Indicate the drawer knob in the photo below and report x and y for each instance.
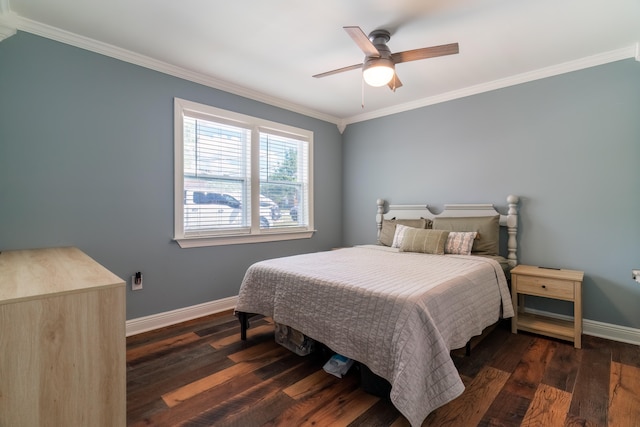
(544, 286)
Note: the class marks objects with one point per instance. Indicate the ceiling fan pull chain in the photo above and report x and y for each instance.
(362, 91)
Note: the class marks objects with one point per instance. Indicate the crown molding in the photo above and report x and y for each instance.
(43, 30)
(6, 31)
(7, 21)
(4, 7)
(10, 22)
(632, 51)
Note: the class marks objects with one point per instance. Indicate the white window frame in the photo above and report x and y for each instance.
(184, 107)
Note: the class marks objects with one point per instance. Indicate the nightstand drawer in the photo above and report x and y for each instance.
(546, 287)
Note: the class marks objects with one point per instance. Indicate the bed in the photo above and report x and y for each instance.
(399, 307)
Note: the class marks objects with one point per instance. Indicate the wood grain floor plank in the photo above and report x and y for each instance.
(506, 410)
(591, 393)
(342, 411)
(307, 404)
(183, 393)
(285, 363)
(213, 402)
(469, 408)
(179, 328)
(180, 376)
(159, 348)
(529, 372)
(190, 357)
(261, 414)
(548, 408)
(202, 402)
(254, 352)
(624, 399)
(143, 411)
(237, 344)
(382, 414)
(401, 422)
(628, 354)
(215, 333)
(482, 353)
(259, 397)
(235, 338)
(562, 370)
(229, 326)
(515, 346)
(310, 385)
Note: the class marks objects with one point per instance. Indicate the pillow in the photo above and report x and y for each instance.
(487, 227)
(424, 241)
(398, 237)
(460, 242)
(388, 230)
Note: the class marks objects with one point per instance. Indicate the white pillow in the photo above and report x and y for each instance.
(399, 235)
(460, 242)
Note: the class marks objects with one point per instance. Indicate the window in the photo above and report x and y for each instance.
(239, 179)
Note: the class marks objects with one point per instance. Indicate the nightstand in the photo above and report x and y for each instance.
(549, 283)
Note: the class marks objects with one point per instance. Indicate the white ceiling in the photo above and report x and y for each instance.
(268, 50)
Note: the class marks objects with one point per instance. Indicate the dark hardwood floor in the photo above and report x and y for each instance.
(199, 373)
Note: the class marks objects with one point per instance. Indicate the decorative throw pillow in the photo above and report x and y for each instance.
(398, 237)
(388, 231)
(425, 241)
(488, 228)
(460, 242)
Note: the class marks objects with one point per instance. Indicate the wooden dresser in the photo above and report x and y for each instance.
(62, 340)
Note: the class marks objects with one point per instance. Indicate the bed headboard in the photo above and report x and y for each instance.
(508, 220)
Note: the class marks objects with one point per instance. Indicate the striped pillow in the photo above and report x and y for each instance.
(387, 233)
(425, 241)
(460, 242)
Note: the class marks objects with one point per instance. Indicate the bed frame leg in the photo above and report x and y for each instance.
(244, 325)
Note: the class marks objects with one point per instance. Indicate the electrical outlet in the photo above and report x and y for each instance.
(635, 275)
(136, 282)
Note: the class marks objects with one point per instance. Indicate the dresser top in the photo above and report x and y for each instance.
(38, 273)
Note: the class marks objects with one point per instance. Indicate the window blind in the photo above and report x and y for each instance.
(216, 170)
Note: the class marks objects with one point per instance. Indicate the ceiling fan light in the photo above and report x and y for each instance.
(378, 72)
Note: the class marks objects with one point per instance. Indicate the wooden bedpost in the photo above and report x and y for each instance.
(512, 230)
(379, 217)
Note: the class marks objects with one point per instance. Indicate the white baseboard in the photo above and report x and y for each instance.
(598, 329)
(611, 332)
(168, 318)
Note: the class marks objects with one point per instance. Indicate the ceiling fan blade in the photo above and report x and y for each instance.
(339, 70)
(362, 41)
(395, 82)
(425, 52)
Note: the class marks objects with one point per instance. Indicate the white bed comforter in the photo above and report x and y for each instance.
(399, 313)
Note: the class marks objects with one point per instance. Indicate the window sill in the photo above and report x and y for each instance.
(198, 242)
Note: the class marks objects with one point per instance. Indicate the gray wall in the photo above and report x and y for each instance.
(86, 159)
(569, 146)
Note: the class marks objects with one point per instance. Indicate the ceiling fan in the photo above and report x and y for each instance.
(378, 68)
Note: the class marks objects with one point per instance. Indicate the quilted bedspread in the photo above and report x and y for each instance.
(399, 313)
